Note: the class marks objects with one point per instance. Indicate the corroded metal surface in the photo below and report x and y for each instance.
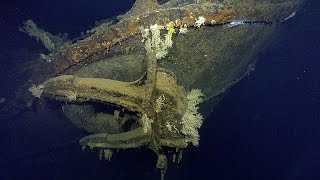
(131, 25)
(133, 97)
(145, 13)
(211, 58)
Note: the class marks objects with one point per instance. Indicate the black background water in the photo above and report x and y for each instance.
(267, 127)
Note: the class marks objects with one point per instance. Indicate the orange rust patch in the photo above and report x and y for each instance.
(188, 18)
(108, 37)
(105, 39)
(132, 27)
(73, 56)
(97, 43)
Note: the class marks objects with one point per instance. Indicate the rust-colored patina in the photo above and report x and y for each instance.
(215, 14)
(211, 58)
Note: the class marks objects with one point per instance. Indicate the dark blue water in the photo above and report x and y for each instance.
(267, 127)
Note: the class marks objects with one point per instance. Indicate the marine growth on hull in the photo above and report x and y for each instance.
(150, 77)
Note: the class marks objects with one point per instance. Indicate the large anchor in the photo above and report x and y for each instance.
(157, 100)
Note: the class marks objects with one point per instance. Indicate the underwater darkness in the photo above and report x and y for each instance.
(267, 126)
